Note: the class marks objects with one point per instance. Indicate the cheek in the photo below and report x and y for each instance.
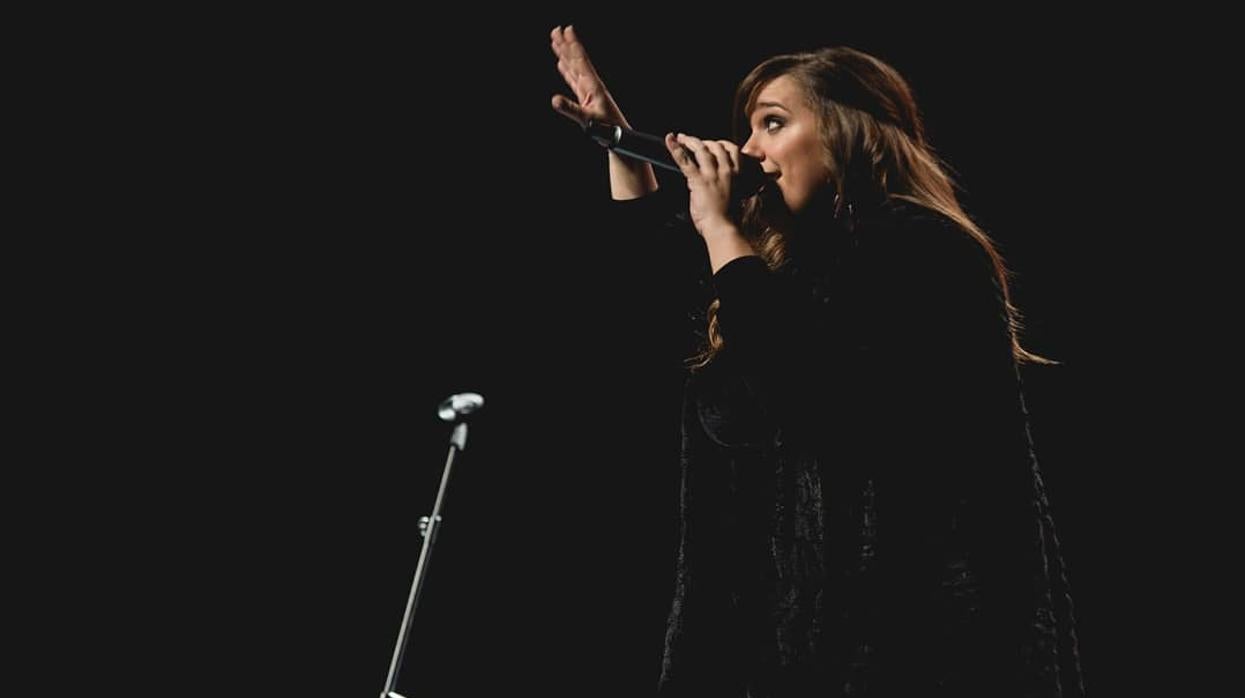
(795, 192)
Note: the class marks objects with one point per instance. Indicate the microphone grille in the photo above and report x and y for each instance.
(457, 407)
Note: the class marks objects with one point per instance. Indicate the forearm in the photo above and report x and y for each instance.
(776, 336)
(630, 179)
(725, 243)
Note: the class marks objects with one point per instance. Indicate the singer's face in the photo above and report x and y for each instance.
(786, 138)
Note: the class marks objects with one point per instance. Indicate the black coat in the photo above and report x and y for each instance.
(861, 511)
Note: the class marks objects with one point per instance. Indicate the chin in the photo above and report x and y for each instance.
(797, 207)
(796, 202)
(778, 198)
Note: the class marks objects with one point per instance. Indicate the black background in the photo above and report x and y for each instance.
(390, 213)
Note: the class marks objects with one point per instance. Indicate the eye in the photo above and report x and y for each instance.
(771, 123)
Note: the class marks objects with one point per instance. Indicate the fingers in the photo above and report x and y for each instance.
(575, 70)
(687, 164)
(713, 159)
(707, 161)
(572, 56)
(571, 77)
(561, 49)
(726, 153)
(732, 153)
(716, 159)
(557, 41)
(575, 48)
(700, 161)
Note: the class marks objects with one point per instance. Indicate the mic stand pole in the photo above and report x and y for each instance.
(428, 526)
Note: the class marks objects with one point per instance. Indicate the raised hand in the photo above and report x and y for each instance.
(592, 100)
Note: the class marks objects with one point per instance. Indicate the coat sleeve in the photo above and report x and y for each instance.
(666, 288)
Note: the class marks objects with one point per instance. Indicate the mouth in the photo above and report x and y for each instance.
(770, 191)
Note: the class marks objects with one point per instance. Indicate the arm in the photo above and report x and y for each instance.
(629, 179)
(726, 244)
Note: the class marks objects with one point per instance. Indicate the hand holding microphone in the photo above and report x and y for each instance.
(719, 176)
(748, 175)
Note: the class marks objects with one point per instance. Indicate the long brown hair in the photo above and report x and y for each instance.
(873, 142)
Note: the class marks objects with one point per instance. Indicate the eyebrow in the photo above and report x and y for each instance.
(773, 104)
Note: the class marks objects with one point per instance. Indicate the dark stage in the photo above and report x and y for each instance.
(425, 226)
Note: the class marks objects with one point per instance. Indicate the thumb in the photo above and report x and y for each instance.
(567, 108)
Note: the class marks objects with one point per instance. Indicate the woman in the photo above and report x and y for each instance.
(861, 511)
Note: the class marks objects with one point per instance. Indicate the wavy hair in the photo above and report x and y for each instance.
(874, 146)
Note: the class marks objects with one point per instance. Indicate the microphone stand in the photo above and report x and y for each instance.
(455, 408)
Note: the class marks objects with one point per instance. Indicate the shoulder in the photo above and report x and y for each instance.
(908, 236)
(922, 258)
(902, 223)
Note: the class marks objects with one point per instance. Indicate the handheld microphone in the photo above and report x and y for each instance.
(652, 149)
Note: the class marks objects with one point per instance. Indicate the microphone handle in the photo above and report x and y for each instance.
(652, 149)
(633, 144)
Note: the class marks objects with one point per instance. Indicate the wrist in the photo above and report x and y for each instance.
(721, 229)
(626, 163)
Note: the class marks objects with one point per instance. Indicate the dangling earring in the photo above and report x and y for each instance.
(840, 204)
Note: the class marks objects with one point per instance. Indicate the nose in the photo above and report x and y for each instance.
(751, 148)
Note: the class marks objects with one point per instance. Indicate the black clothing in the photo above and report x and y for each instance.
(861, 512)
